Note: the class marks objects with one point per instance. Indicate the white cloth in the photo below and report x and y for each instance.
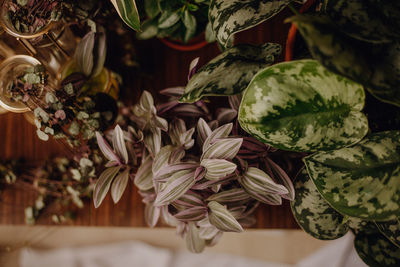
(338, 253)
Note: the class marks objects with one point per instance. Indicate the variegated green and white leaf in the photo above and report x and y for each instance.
(217, 168)
(375, 66)
(128, 12)
(192, 214)
(103, 184)
(188, 200)
(228, 196)
(221, 132)
(194, 242)
(119, 144)
(119, 185)
(144, 176)
(313, 213)
(367, 20)
(301, 106)
(376, 250)
(228, 17)
(176, 186)
(257, 181)
(241, 62)
(223, 149)
(391, 230)
(363, 180)
(151, 214)
(203, 131)
(221, 218)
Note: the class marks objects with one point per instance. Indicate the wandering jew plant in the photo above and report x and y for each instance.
(203, 176)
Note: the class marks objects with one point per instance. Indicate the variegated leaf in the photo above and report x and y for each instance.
(221, 218)
(228, 17)
(376, 250)
(232, 195)
(313, 213)
(144, 176)
(226, 115)
(106, 149)
(391, 230)
(119, 144)
(221, 132)
(191, 214)
(367, 20)
(242, 62)
(151, 214)
(188, 200)
(255, 180)
(176, 186)
(165, 172)
(223, 149)
(152, 141)
(162, 159)
(363, 180)
(128, 12)
(203, 131)
(119, 185)
(217, 168)
(282, 177)
(301, 106)
(375, 66)
(194, 242)
(103, 184)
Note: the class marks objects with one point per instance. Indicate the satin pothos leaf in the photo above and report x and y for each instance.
(376, 66)
(391, 230)
(128, 12)
(313, 213)
(301, 106)
(103, 184)
(221, 218)
(376, 250)
(362, 180)
(242, 62)
(228, 17)
(366, 20)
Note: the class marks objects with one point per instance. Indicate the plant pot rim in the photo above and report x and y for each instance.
(195, 43)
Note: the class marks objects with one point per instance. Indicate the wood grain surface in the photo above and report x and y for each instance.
(164, 67)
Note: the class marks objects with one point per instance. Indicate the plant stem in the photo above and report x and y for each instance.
(294, 10)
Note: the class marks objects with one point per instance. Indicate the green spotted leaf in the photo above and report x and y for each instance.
(313, 213)
(367, 20)
(230, 72)
(363, 180)
(301, 106)
(391, 230)
(228, 17)
(376, 66)
(128, 12)
(376, 250)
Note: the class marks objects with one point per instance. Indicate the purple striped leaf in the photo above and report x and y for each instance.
(213, 241)
(193, 67)
(270, 199)
(222, 219)
(176, 186)
(176, 129)
(119, 144)
(146, 101)
(220, 132)
(144, 176)
(229, 196)
(189, 110)
(203, 131)
(234, 101)
(166, 170)
(162, 108)
(226, 148)
(255, 180)
(248, 221)
(194, 243)
(217, 168)
(151, 214)
(119, 185)
(191, 214)
(173, 91)
(168, 218)
(226, 115)
(207, 230)
(152, 141)
(161, 159)
(283, 178)
(160, 122)
(188, 200)
(204, 184)
(103, 184)
(106, 149)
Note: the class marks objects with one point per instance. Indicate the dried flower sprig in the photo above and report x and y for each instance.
(201, 178)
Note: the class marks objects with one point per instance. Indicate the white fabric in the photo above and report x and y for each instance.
(338, 253)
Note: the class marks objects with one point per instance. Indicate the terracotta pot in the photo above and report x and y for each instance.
(195, 43)
(293, 31)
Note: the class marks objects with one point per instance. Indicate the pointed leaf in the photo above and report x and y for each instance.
(119, 144)
(282, 177)
(194, 243)
(301, 106)
(223, 149)
(220, 132)
(144, 176)
(363, 180)
(191, 214)
(119, 185)
(241, 62)
(106, 149)
(151, 214)
(221, 218)
(228, 17)
(128, 12)
(233, 195)
(103, 185)
(255, 180)
(313, 213)
(217, 168)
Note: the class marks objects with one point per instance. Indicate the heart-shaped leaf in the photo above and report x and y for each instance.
(363, 180)
(391, 230)
(228, 17)
(313, 213)
(230, 72)
(301, 106)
